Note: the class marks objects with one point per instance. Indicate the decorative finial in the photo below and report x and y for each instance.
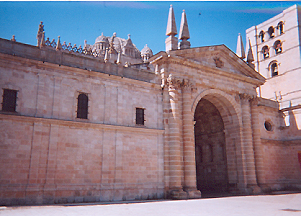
(13, 38)
(114, 34)
(118, 58)
(250, 57)
(40, 33)
(171, 42)
(184, 33)
(129, 36)
(171, 23)
(42, 42)
(240, 52)
(106, 58)
(58, 46)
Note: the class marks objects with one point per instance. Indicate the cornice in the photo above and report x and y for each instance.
(57, 69)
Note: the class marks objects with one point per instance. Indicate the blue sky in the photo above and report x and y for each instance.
(219, 22)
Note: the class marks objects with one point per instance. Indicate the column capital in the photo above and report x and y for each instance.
(246, 97)
(174, 83)
(188, 85)
(254, 101)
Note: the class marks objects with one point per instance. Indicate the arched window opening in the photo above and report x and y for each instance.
(261, 36)
(274, 69)
(82, 106)
(265, 52)
(271, 32)
(278, 47)
(280, 27)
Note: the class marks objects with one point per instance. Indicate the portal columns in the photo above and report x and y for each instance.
(258, 149)
(247, 143)
(175, 184)
(188, 142)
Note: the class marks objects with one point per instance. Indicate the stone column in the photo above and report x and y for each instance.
(175, 185)
(248, 144)
(188, 142)
(258, 149)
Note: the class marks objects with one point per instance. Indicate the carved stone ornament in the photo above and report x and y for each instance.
(188, 85)
(174, 83)
(218, 63)
(246, 97)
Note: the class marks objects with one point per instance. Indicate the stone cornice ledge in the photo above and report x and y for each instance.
(80, 124)
(296, 141)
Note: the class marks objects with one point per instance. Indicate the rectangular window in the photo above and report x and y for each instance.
(139, 116)
(9, 102)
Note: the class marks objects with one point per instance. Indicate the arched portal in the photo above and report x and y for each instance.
(210, 151)
(218, 139)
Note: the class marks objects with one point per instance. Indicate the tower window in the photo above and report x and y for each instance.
(280, 27)
(9, 102)
(271, 31)
(278, 47)
(265, 52)
(261, 36)
(82, 106)
(139, 116)
(274, 69)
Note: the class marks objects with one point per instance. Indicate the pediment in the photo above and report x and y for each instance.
(218, 58)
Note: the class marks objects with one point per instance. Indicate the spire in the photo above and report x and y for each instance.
(240, 52)
(250, 57)
(184, 33)
(171, 23)
(171, 30)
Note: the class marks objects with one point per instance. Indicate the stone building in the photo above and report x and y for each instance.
(276, 45)
(101, 123)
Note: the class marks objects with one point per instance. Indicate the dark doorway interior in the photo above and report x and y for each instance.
(210, 149)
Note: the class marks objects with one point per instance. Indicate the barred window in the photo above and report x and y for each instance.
(9, 102)
(82, 106)
(139, 116)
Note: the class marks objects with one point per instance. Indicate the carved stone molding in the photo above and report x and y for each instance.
(245, 97)
(188, 85)
(218, 62)
(174, 83)
(254, 101)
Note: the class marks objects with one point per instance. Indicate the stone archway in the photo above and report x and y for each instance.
(210, 151)
(218, 138)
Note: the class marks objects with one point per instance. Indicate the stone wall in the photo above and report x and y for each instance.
(48, 155)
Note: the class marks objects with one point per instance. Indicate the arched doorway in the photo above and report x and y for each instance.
(210, 149)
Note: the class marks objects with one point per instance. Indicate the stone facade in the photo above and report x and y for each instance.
(193, 124)
(275, 44)
(276, 47)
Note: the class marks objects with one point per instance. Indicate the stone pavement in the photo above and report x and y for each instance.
(276, 205)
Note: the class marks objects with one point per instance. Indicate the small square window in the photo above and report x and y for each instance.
(139, 116)
(9, 102)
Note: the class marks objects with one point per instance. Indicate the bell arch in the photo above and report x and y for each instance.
(223, 147)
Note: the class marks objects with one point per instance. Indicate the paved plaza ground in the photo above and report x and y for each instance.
(276, 205)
